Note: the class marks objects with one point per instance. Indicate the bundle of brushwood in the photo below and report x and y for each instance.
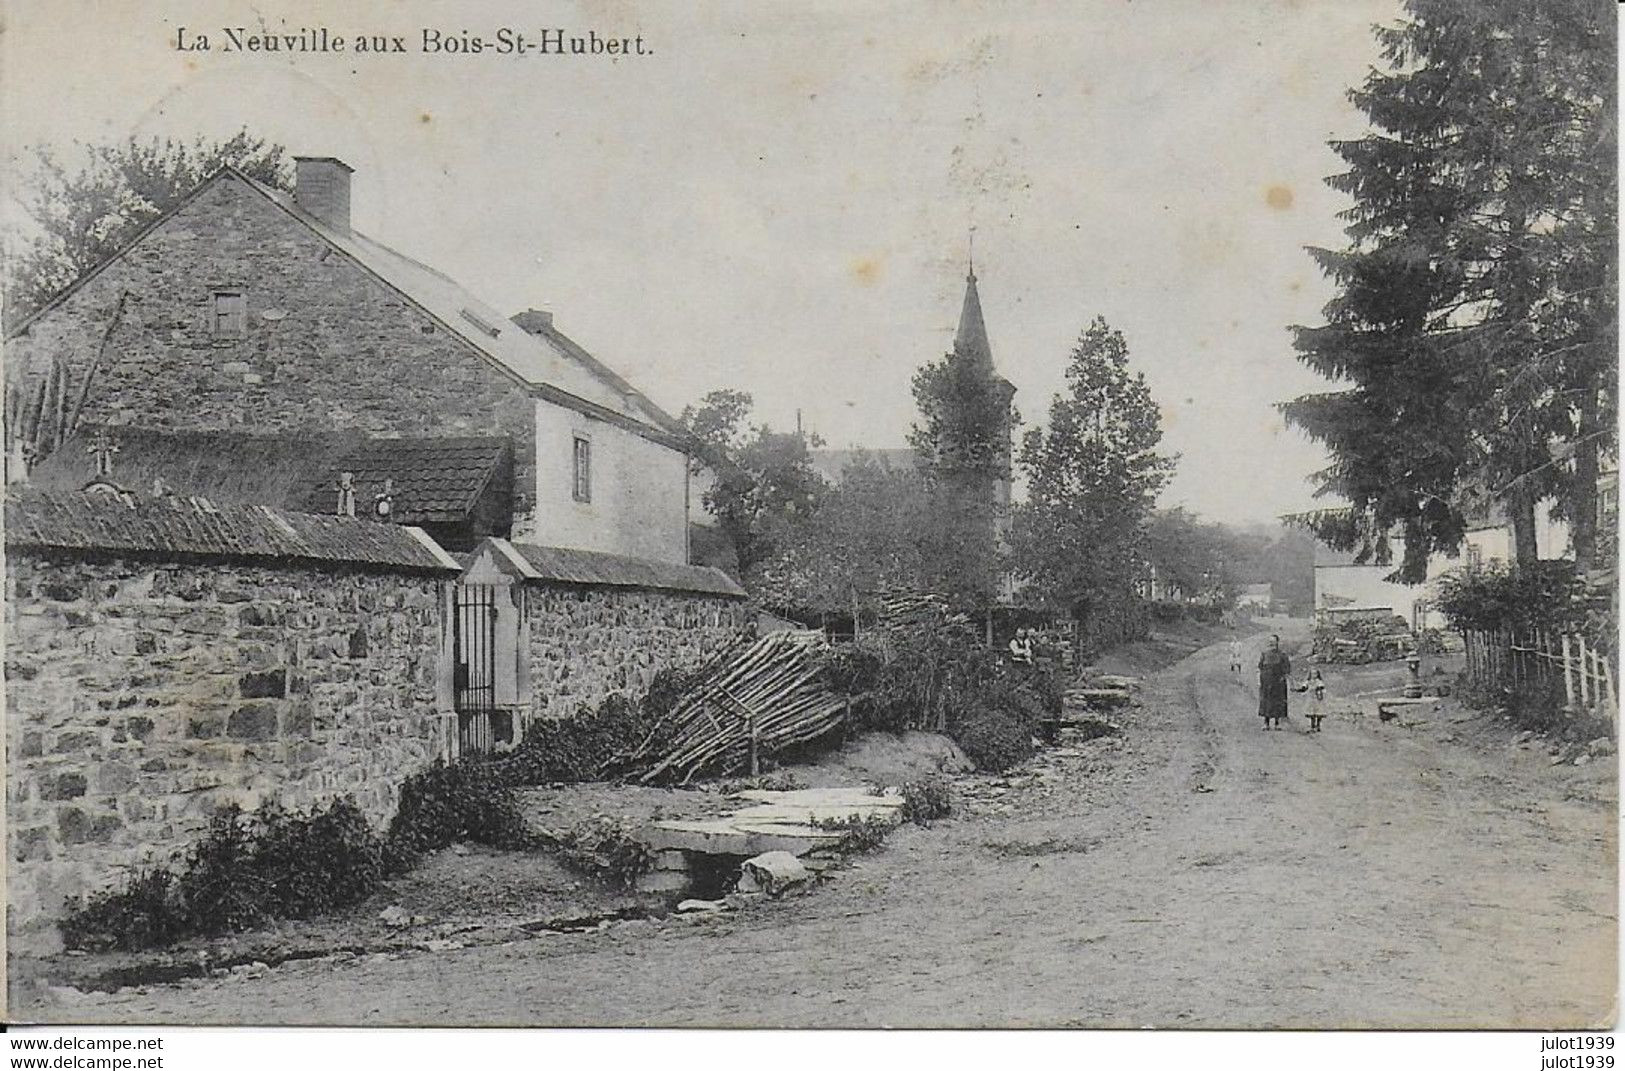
(751, 701)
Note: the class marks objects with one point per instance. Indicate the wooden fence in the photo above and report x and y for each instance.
(1506, 659)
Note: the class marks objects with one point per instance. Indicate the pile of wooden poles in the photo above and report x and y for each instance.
(750, 702)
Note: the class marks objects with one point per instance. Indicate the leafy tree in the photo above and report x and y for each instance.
(1201, 559)
(962, 441)
(865, 539)
(763, 484)
(1093, 475)
(84, 211)
(1473, 328)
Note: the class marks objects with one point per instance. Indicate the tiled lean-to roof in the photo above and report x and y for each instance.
(107, 522)
(432, 480)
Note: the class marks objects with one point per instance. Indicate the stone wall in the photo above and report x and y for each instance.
(327, 346)
(587, 642)
(142, 696)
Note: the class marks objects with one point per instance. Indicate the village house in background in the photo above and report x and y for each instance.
(1344, 588)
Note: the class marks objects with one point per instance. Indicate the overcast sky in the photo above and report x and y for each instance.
(778, 198)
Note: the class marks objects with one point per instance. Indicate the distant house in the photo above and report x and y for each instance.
(1344, 588)
(1256, 596)
(250, 311)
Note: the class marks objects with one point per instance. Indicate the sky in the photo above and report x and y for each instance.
(780, 197)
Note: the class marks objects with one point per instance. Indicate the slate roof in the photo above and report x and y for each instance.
(434, 480)
(568, 566)
(104, 522)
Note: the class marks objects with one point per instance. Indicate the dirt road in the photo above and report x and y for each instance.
(1195, 872)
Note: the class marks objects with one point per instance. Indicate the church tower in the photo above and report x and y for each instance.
(971, 342)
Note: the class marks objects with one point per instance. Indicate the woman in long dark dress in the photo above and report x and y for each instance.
(1273, 669)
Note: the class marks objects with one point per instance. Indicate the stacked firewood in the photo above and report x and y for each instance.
(750, 702)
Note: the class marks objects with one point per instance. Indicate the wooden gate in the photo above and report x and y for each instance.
(480, 725)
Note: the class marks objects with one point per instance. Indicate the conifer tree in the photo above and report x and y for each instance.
(1472, 335)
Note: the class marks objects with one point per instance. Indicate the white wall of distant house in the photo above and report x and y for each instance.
(639, 492)
(1495, 544)
(1364, 587)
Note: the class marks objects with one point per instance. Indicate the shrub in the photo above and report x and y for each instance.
(594, 743)
(447, 804)
(992, 740)
(858, 834)
(143, 914)
(927, 799)
(247, 870)
(311, 866)
(608, 849)
(1534, 595)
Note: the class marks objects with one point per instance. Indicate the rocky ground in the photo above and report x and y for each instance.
(1192, 871)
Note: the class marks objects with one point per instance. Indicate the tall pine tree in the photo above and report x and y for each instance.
(1472, 335)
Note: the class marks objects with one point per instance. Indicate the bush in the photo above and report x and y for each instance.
(858, 834)
(594, 743)
(447, 804)
(247, 870)
(992, 740)
(608, 849)
(927, 799)
(143, 914)
(1535, 595)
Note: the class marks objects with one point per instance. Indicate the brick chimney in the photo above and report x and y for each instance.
(321, 186)
(531, 321)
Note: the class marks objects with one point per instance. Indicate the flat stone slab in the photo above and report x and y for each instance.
(721, 836)
(780, 821)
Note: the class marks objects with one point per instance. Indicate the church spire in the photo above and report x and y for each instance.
(971, 338)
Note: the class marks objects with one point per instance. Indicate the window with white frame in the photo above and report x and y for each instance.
(229, 314)
(581, 470)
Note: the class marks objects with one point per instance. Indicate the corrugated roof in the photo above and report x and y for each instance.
(433, 480)
(105, 522)
(568, 566)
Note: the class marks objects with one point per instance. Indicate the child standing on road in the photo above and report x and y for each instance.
(1235, 656)
(1317, 690)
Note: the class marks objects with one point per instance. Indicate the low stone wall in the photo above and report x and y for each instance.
(142, 696)
(588, 642)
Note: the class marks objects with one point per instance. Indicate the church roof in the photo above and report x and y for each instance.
(971, 337)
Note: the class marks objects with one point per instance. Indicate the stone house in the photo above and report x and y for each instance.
(546, 631)
(248, 310)
(166, 656)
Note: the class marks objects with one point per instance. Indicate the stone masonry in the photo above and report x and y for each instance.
(142, 696)
(588, 642)
(327, 346)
